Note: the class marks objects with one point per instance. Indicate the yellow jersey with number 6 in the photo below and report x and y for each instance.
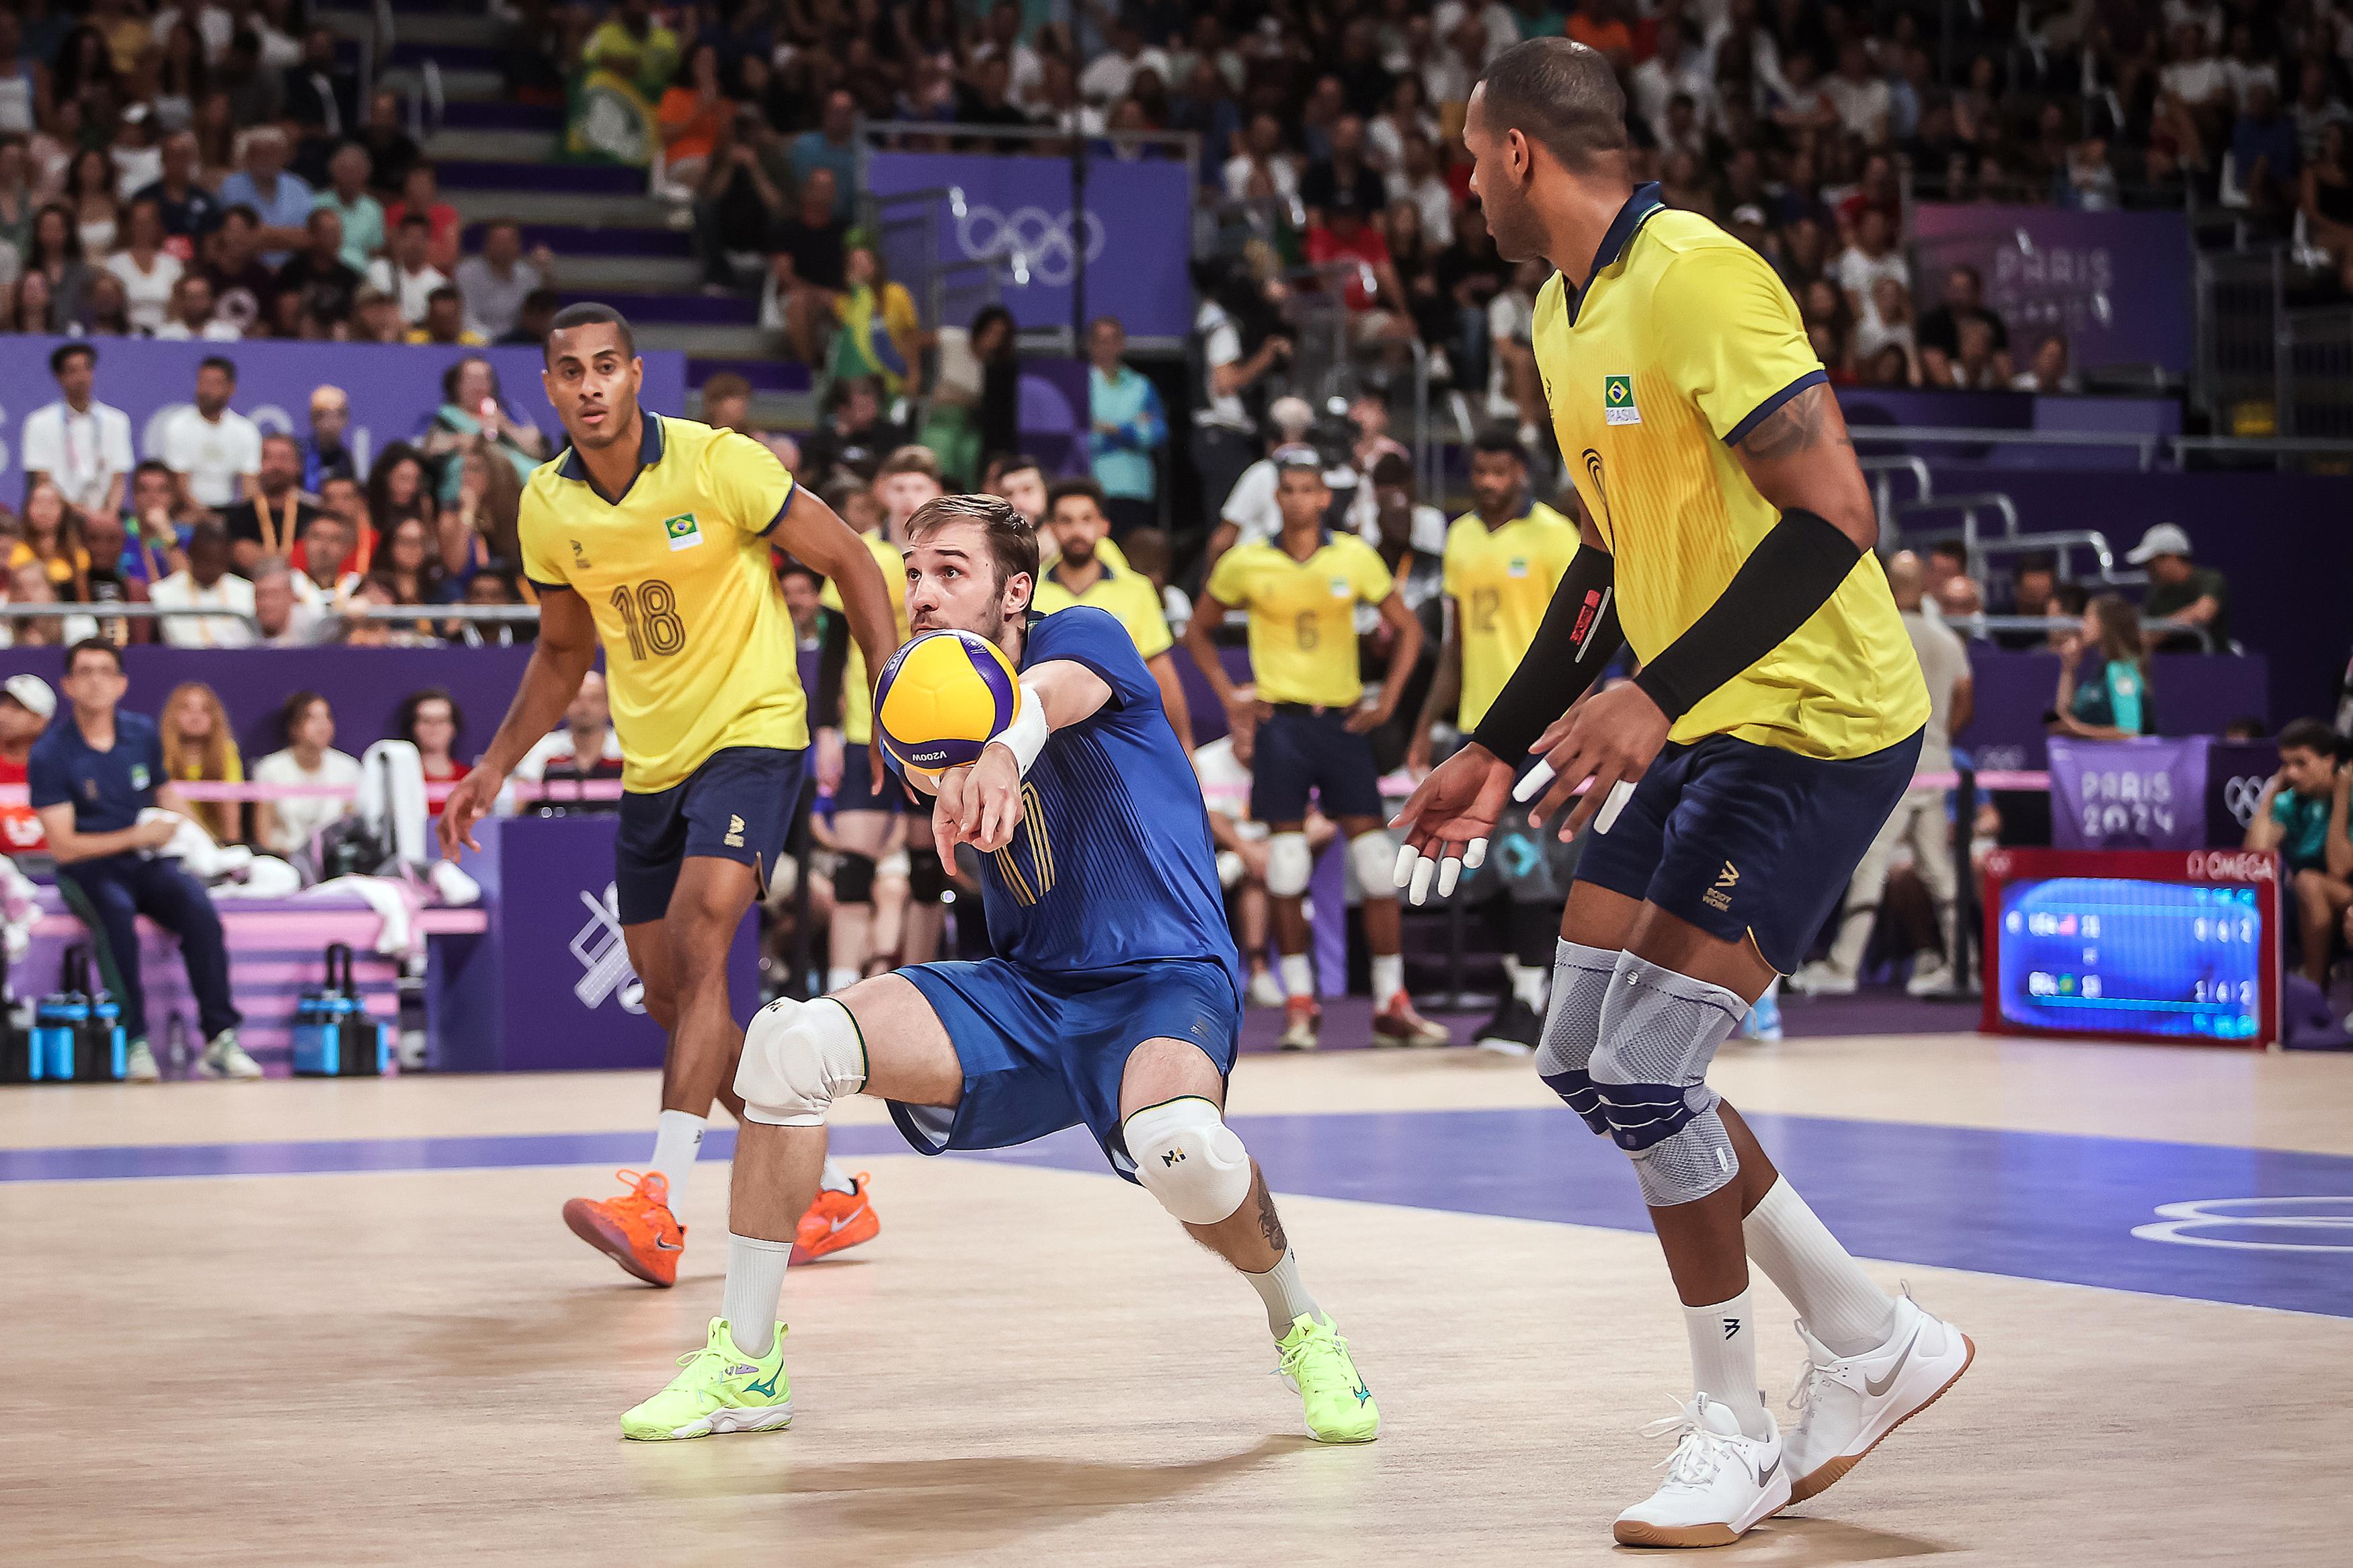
(699, 650)
(1501, 580)
(1683, 342)
(1303, 616)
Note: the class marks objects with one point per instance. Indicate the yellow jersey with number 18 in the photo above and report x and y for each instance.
(1501, 580)
(856, 686)
(1303, 616)
(1682, 343)
(699, 651)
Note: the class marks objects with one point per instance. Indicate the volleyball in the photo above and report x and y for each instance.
(943, 698)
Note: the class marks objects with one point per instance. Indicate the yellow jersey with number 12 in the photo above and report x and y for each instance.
(856, 686)
(1303, 616)
(1682, 343)
(1501, 580)
(699, 651)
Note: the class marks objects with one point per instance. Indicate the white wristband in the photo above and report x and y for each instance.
(1026, 736)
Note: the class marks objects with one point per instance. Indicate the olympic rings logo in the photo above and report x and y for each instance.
(2241, 793)
(1028, 237)
(2184, 1223)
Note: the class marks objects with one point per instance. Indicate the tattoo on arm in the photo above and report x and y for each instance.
(1798, 426)
(1269, 1223)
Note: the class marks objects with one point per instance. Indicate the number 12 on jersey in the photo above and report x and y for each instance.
(649, 616)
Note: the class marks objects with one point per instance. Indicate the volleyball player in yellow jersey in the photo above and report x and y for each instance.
(869, 807)
(1305, 727)
(1773, 727)
(1502, 560)
(651, 536)
(1087, 571)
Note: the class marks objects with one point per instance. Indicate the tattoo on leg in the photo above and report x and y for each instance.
(1269, 1223)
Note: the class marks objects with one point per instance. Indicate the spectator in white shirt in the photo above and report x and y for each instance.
(191, 319)
(1262, 153)
(214, 451)
(148, 271)
(1420, 182)
(408, 274)
(1871, 257)
(204, 583)
(498, 282)
(1108, 78)
(1859, 95)
(1675, 69)
(288, 827)
(79, 442)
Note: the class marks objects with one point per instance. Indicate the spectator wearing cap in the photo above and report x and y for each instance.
(26, 706)
(407, 274)
(1128, 429)
(78, 443)
(2180, 590)
(496, 283)
(347, 195)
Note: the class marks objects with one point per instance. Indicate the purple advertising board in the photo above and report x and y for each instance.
(2193, 694)
(2144, 794)
(394, 388)
(2116, 284)
(1135, 229)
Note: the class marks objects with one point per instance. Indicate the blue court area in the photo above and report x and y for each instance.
(2034, 1206)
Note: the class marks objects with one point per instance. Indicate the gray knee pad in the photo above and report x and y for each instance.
(1580, 985)
(1659, 1033)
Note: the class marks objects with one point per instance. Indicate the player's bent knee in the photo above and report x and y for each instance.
(1572, 1031)
(893, 866)
(1659, 1030)
(798, 1058)
(1374, 858)
(1189, 1159)
(1289, 864)
(853, 879)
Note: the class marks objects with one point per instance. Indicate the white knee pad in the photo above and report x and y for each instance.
(1230, 868)
(798, 1058)
(1374, 858)
(1288, 865)
(1189, 1159)
(894, 864)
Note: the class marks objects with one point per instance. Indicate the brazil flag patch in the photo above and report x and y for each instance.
(1617, 401)
(684, 533)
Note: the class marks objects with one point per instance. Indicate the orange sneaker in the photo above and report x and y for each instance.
(1398, 1024)
(637, 1229)
(836, 1222)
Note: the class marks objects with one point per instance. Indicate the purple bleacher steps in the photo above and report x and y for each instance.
(586, 239)
(565, 179)
(673, 309)
(765, 374)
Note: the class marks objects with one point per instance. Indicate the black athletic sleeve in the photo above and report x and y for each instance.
(1578, 637)
(1792, 572)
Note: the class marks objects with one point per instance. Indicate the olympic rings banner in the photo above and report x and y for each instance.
(1135, 232)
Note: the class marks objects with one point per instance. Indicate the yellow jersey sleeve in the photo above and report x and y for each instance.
(750, 483)
(857, 690)
(1726, 333)
(1230, 579)
(537, 531)
(1139, 610)
(1374, 581)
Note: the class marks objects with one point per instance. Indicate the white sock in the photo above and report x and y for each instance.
(1286, 1299)
(839, 979)
(1724, 1360)
(1845, 1310)
(755, 1290)
(1298, 974)
(677, 1139)
(835, 1179)
(1388, 977)
(1528, 985)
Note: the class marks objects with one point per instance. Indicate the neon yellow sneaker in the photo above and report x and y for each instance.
(1315, 1363)
(722, 1390)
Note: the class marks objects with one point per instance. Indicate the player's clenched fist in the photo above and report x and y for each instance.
(979, 803)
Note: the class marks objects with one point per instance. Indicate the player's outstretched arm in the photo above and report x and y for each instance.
(559, 660)
(980, 803)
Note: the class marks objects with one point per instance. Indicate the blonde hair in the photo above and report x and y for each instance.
(215, 759)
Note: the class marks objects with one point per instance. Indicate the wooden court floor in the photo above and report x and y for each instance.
(417, 1363)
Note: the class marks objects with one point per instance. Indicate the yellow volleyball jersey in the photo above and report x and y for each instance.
(699, 651)
(1302, 614)
(1682, 343)
(857, 690)
(1501, 580)
(1126, 593)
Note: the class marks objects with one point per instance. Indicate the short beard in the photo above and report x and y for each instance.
(1513, 227)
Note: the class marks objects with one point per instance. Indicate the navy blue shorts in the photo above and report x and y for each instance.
(738, 805)
(1042, 1052)
(1296, 752)
(1748, 840)
(856, 792)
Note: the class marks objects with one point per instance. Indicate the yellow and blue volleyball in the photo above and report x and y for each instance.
(942, 699)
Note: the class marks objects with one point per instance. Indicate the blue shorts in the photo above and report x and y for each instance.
(1042, 1052)
(1298, 749)
(1748, 840)
(856, 792)
(738, 805)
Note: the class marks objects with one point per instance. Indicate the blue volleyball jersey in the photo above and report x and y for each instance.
(1113, 863)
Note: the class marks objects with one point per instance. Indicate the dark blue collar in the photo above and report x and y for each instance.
(1614, 240)
(650, 452)
(1102, 566)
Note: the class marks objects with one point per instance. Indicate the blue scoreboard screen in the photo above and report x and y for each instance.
(2171, 957)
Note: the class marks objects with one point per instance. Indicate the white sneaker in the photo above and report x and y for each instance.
(1719, 1482)
(226, 1058)
(1264, 991)
(139, 1065)
(1931, 976)
(1819, 979)
(1850, 1403)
